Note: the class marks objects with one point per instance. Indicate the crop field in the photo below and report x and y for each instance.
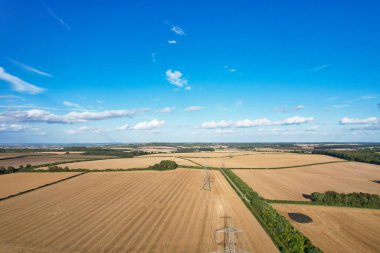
(18, 182)
(292, 183)
(138, 211)
(46, 158)
(264, 160)
(337, 229)
(124, 163)
(203, 154)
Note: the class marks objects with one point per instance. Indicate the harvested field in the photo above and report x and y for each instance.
(292, 183)
(138, 211)
(265, 160)
(204, 154)
(124, 163)
(338, 229)
(47, 158)
(18, 182)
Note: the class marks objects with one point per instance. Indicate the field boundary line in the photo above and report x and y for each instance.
(288, 167)
(41, 186)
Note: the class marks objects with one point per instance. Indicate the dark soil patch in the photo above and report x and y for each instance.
(300, 218)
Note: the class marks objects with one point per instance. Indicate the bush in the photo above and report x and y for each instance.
(164, 165)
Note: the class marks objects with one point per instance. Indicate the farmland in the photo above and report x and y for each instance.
(18, 182)
(39, 159)
(337, 229)
(128, 212)
(292, 183)
(264, 160)
(124, 163)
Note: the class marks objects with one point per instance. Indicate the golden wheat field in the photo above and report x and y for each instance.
(292, 183)
(264, 160)
(18, 182)
(138, 211)
(203, 154)
(338, 229)
(124, 163)
(40, 159)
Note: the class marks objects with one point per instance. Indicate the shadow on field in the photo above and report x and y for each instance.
(307, 196)
(300, 217)
(376, 181)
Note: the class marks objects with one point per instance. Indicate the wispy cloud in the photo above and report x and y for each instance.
(368, 96)
(172, 41)
(71, 104)
(296, 120)
(147, 125)
(333, 98)
(166, 110)
(230, 69)
(154, 57)
(284, 110)
(194, 108)
(43, 116)
(175, 78)
(369, 120)
(29, 68)
(178, 30)
(10, 96)
(320, 67)
(19, 85)
(56, 17)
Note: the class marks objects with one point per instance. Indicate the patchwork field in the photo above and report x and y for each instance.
(46, 158)
(264, 160)
(203, 154)
(292, 183)
(337, 229)
(18, 182)
(139, 211)
(124, 163)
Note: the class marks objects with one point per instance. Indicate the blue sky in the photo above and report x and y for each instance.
(138, 71)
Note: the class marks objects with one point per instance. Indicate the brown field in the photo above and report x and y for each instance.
(337, 229)
(124, 163)
(292, 183)
(47, 158)
(139, 211)
(18, 182)
(265, 160)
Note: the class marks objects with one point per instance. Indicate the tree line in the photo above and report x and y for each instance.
(355, 199)
(360, 155)
(287, 238)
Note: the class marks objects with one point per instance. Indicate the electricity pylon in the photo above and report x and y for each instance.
(206, 183)
(229, 233)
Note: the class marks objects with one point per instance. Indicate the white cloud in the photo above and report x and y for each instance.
(100, 101)
(178, 30)
(29, 68)
(175, 78)
(71, 104)
(194, 108)
(38, 115)
(172, 41)
(19, 85)
(166, 110)
(147, 125)
(230, 69)
(187, 88)
(12, 128)
(56, 17)
(297, 120)
(369, 120)
(298, 107)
